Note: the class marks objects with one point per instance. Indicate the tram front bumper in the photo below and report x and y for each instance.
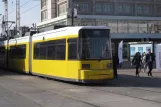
(95, 75)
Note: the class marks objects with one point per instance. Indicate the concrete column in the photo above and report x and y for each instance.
(49, 8)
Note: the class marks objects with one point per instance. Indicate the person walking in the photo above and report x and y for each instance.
(115, 64)
(137, 62)
(144, 62)
(150, 58)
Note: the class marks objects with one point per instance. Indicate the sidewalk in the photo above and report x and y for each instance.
(133, 70)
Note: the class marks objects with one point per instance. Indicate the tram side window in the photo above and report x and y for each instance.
(43, 51)
(40, 50)
(60, 50)
(51, 50)
(18, 52)
(2, 52)
(36, 50)
(72, 49)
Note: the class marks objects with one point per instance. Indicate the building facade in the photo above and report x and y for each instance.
(127, 19)
(123, 16)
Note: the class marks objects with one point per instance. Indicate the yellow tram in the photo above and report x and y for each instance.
(79, 53)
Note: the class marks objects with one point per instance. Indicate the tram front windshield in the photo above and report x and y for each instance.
(94, 44)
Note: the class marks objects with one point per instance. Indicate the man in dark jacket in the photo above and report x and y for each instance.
(115, 64)
(150, 58)
(137, 62)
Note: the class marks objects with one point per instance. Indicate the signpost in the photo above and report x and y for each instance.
(158, 57)
(120, 51)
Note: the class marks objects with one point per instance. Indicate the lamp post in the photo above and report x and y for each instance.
(72, 13)
(8, 38)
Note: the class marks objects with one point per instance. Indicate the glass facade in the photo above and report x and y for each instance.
(84, 7)
(104, 8)
(144, 9)
(125, 9)
(123, 26)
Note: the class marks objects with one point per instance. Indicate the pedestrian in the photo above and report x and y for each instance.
(115, 64)
(136, 61)
(150, 58)
(144, 62)
(140, 62)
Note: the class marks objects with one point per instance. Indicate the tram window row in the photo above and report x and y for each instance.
(50, 50)
(56, 50)
(18, 52)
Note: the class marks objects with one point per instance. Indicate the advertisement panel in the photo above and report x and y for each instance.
(139, 48)
(158, 57)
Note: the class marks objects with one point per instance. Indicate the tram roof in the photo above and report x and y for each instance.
(49, 34)
(71, 29)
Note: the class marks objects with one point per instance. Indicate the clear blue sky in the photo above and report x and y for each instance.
(27, 18)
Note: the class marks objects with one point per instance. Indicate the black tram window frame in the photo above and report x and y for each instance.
(18, 51)
(36, 51)
(51, 51)
(60, 54)
(57, 54)
(72, 42)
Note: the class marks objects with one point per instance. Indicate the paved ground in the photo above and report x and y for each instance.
(18, 90)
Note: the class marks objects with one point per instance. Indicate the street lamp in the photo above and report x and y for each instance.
(8, 38)
(72, 13)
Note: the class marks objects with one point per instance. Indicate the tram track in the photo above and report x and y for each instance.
(97, 88)
(103, 90)
(60, 94)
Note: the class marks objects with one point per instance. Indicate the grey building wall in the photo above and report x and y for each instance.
(150, 8)
(120, 7)
(123, 16)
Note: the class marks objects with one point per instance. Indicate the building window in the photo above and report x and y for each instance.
(104, 8)
(44, 15)
(124, 8)
(158, 7)
(62, 9)
(82, 7)
(43, 3)
(144, 9)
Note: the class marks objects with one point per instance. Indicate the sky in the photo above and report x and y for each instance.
(29, 10)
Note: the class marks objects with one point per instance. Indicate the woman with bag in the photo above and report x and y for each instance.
(137, 62)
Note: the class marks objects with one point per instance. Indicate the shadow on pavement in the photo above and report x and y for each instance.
(9, 73)
(123, 80)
